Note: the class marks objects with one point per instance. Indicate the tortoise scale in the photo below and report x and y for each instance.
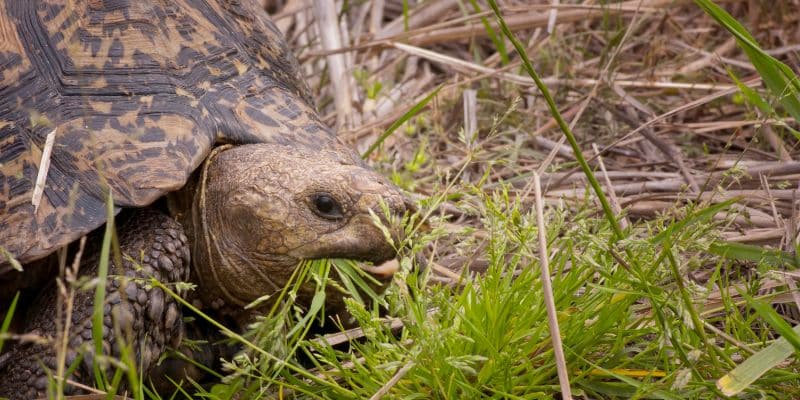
(199, 100)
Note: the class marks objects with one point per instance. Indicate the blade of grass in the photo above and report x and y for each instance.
(128, 358)
(496, 39)
(317, 302)
(774, 320)
(632, 383)
(240, 339)
(7, 320)
(551, 104)
(744, 375)
(100, 292)
(697, 217)
(747, 252)
(407, 116)
(741, 377)
(751, 95)
(779, 78)
(405, 15)
(688, 303)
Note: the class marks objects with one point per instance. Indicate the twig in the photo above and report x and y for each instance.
(776, 143)
(424, 15)
(63, 335)
(547, 288)
(551, 19)
(466, 66)
(331, 37)
(530, 20)
(612, 197)
(756, 235)
(44, 167)
(396, 378)
(83, 387)
(470, 97)
(338, 338)
(669, 151)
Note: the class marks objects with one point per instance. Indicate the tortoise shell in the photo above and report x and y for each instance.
(135, 94)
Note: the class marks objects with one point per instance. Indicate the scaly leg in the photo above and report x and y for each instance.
(135, 313)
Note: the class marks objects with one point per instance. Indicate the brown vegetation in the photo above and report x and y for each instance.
(646, 84)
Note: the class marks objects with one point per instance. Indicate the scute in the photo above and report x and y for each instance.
(137, 92)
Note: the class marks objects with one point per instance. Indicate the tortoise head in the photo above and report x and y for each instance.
(260, 209)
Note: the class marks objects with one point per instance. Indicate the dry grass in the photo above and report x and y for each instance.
(646, 85)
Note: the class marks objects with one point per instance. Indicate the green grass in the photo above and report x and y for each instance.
(7, 320)
(637, 333)
(629, 330)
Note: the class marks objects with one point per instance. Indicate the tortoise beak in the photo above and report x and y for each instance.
(385, 271)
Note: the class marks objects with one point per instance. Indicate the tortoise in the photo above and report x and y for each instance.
(192, 117)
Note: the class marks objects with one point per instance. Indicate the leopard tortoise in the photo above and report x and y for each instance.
(198, 100)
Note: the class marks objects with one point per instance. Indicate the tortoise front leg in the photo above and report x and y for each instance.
(137, 315)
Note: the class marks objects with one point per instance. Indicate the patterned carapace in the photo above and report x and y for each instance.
(137, 92)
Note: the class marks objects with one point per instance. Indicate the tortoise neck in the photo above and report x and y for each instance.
(226, 275)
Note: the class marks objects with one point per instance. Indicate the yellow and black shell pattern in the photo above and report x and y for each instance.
(135, 94)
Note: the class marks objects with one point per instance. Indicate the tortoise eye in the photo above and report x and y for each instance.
(326, 206)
